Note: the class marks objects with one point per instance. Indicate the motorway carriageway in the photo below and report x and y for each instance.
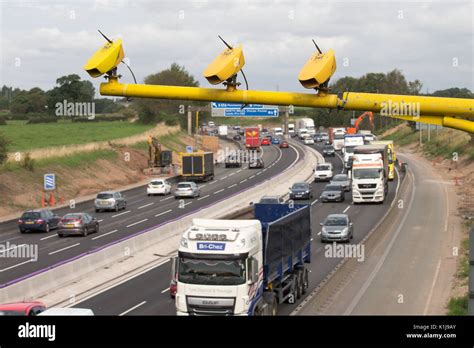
(142, 213)
(148, 293)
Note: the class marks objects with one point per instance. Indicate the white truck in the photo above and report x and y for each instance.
(306, 123)
(369, 174)
(302, 132)
(244, 267)
(291, 129)
(222, 131)
(278, 131)
(350, 142)
(338, 140)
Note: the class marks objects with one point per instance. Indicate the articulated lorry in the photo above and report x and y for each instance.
(369, 173)
(350, 142)
(244, 267)
(391, 158)
(336, 137)
(197, 166)
(252, 138)
(306, 123)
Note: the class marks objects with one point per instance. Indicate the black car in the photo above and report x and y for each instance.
(256, 163)
(301, 190)
(42, 220)
(232, 161)
(77, 224)
(317, 137)
(237, 137)
(328, 150)
(333, 193)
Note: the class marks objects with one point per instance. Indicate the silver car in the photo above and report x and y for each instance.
(342, 180)
(110, 200)
(187, 189)
(337, 227)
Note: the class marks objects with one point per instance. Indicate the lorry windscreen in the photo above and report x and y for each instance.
(211, 272)
(367, 173)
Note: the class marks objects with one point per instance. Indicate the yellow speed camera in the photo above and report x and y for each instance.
(105, 59)
(225, 66)
(318, 70)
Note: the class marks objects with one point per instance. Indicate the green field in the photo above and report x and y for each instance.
(24, 136)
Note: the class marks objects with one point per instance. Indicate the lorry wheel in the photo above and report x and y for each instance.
(305, 281)
(299, 285)
(271, 301)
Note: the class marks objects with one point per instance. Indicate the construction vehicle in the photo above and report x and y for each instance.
(158, 158)
(355, 129)
(197, 166)
(244, 267)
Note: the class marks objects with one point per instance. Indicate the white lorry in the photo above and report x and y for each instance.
(306, 123)
(222, 131)
(244, 267)
(338, 140)
(350, 142)
(369, 174)
(302, 132)
(291, 129)
(278, 131)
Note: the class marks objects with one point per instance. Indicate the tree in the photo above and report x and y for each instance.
(3, 149)
(32, 101)
(71, 89)
(154, 110)
(454, 93)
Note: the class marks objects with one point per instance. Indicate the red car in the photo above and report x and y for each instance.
(22, 308)
(265, 141)
(284, 145)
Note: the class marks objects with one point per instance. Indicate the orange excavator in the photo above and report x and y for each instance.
(355, 129)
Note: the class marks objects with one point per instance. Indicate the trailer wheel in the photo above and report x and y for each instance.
(305, 281)
(271, 300)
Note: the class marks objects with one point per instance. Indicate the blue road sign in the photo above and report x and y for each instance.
(189, 149)
(49, 182)
(251, 110)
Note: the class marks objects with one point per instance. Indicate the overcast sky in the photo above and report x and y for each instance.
(429, 41)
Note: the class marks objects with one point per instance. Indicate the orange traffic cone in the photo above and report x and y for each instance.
(43, 202)
(52, 200)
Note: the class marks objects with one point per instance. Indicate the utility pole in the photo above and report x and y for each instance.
(190, 121)
(429, 132)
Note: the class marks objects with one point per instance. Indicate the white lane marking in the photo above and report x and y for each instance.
(133, 308)
(314, 202)
(231, 174)
(243, 181)
(201, 186)
(264, 169)
(165, 199)
(218, 191)
(68, 247)
(213, 182)
(204, 197)
(105, 234)
(125, 212)
(432, 288)
(185, 204)
(398, 186)
(18, 264)
(138, 222)
(348, 207)
(253, 176)
(225, 177)
(258, 173)
(319, 233)
(234, 185)
(163, 213)
(239, 171)
(44, 238)
(100, 220)
(167, 289)
(146, 205)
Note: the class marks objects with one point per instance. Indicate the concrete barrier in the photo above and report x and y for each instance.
(59, 282)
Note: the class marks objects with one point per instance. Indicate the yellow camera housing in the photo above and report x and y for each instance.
(225, 66)
(318, 70)
(105, 59)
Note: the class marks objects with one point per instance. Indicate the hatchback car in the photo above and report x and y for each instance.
(42, 220)
(328, 150)
(333, 193)
(158, 187)
(275, 141)
(77, 224)
(265, 142)
(323, 172)
(343, 180)
(308, 141)
(22, 308)
(337, 227)
(187, 189)
(256, 163)
(271, 200)
(284, 145)
(110, 200)
(317, 137)
(232, 161)
(300, 190)
(324, 137)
